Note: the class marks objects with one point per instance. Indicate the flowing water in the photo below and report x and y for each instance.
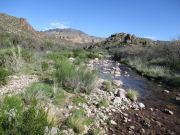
(151, 93)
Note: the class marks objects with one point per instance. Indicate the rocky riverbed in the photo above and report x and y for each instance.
(112, 112)
(161, 114)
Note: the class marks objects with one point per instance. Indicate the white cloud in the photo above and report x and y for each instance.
(61, 25)
(57, 24)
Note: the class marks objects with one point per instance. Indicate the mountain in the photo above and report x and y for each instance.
(15, 31)
(73, 35)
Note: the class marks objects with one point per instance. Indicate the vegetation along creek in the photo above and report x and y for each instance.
(57, 80)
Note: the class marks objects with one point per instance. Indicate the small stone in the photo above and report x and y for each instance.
(166, 91)
(113, 110)
(141, 105)
(117, 100)
(151, 109)
(113, 122)
(177, 98)
(69, 107)
(54, 131)
(117, 82)
(168, 111)
(125, 120)
(131, 127)
(131, 132)
(125, 114)
(142, 131)
(158, 123)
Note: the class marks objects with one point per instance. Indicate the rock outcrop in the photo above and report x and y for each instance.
(127, 38)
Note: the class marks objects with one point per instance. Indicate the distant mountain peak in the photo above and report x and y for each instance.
(73, 35)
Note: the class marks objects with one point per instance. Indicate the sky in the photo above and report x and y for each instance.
(156, 19)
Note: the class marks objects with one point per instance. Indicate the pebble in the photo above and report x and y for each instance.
(166, 91)
(141, 105)
(131, 128)
(168, 111)
(113, 122)
(177, 98)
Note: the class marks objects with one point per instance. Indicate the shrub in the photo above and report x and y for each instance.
(79, 99)
(75, 79)
(39, 90)
(44, 66)
(107, 86)
(34, 120)
(103, 103)
(15, 118)
(60, 97)
(77, 121)
(4, 73)
(132, 94)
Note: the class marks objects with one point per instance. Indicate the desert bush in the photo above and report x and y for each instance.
(73, 78)
(158, 61)
(107, 85)
(132, 94)
(34, 120)
(4, 73)
(60, 97)
(14, 58)
(78, 120)
(79, 99)
(15, 118)
(44, 66)
(103, 103)
(39, 90)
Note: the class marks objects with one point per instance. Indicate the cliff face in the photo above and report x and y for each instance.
(25, 25)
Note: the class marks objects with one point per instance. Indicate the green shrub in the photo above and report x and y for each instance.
(77, 121)
(44, 66)
(107, 86)
(34, 120)
(132, 94)
(4, 73)
(103, 103)
(15, 118)
(79, 99)
(60, 97)
(11, 115)
(39, 90)
(75, 79)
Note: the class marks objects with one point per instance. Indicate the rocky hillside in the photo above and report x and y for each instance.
(73, 35)
(15, 31)
(128, 38)
(17, 26)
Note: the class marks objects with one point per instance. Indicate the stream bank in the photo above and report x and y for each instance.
(162, 109)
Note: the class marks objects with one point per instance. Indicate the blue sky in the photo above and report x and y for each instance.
(158, 19)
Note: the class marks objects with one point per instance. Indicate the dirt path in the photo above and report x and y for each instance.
(17, 84)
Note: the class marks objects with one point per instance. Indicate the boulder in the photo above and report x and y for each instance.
(121, 93)
(117, 83)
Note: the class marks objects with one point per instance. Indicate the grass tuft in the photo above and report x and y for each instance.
(132, 94)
